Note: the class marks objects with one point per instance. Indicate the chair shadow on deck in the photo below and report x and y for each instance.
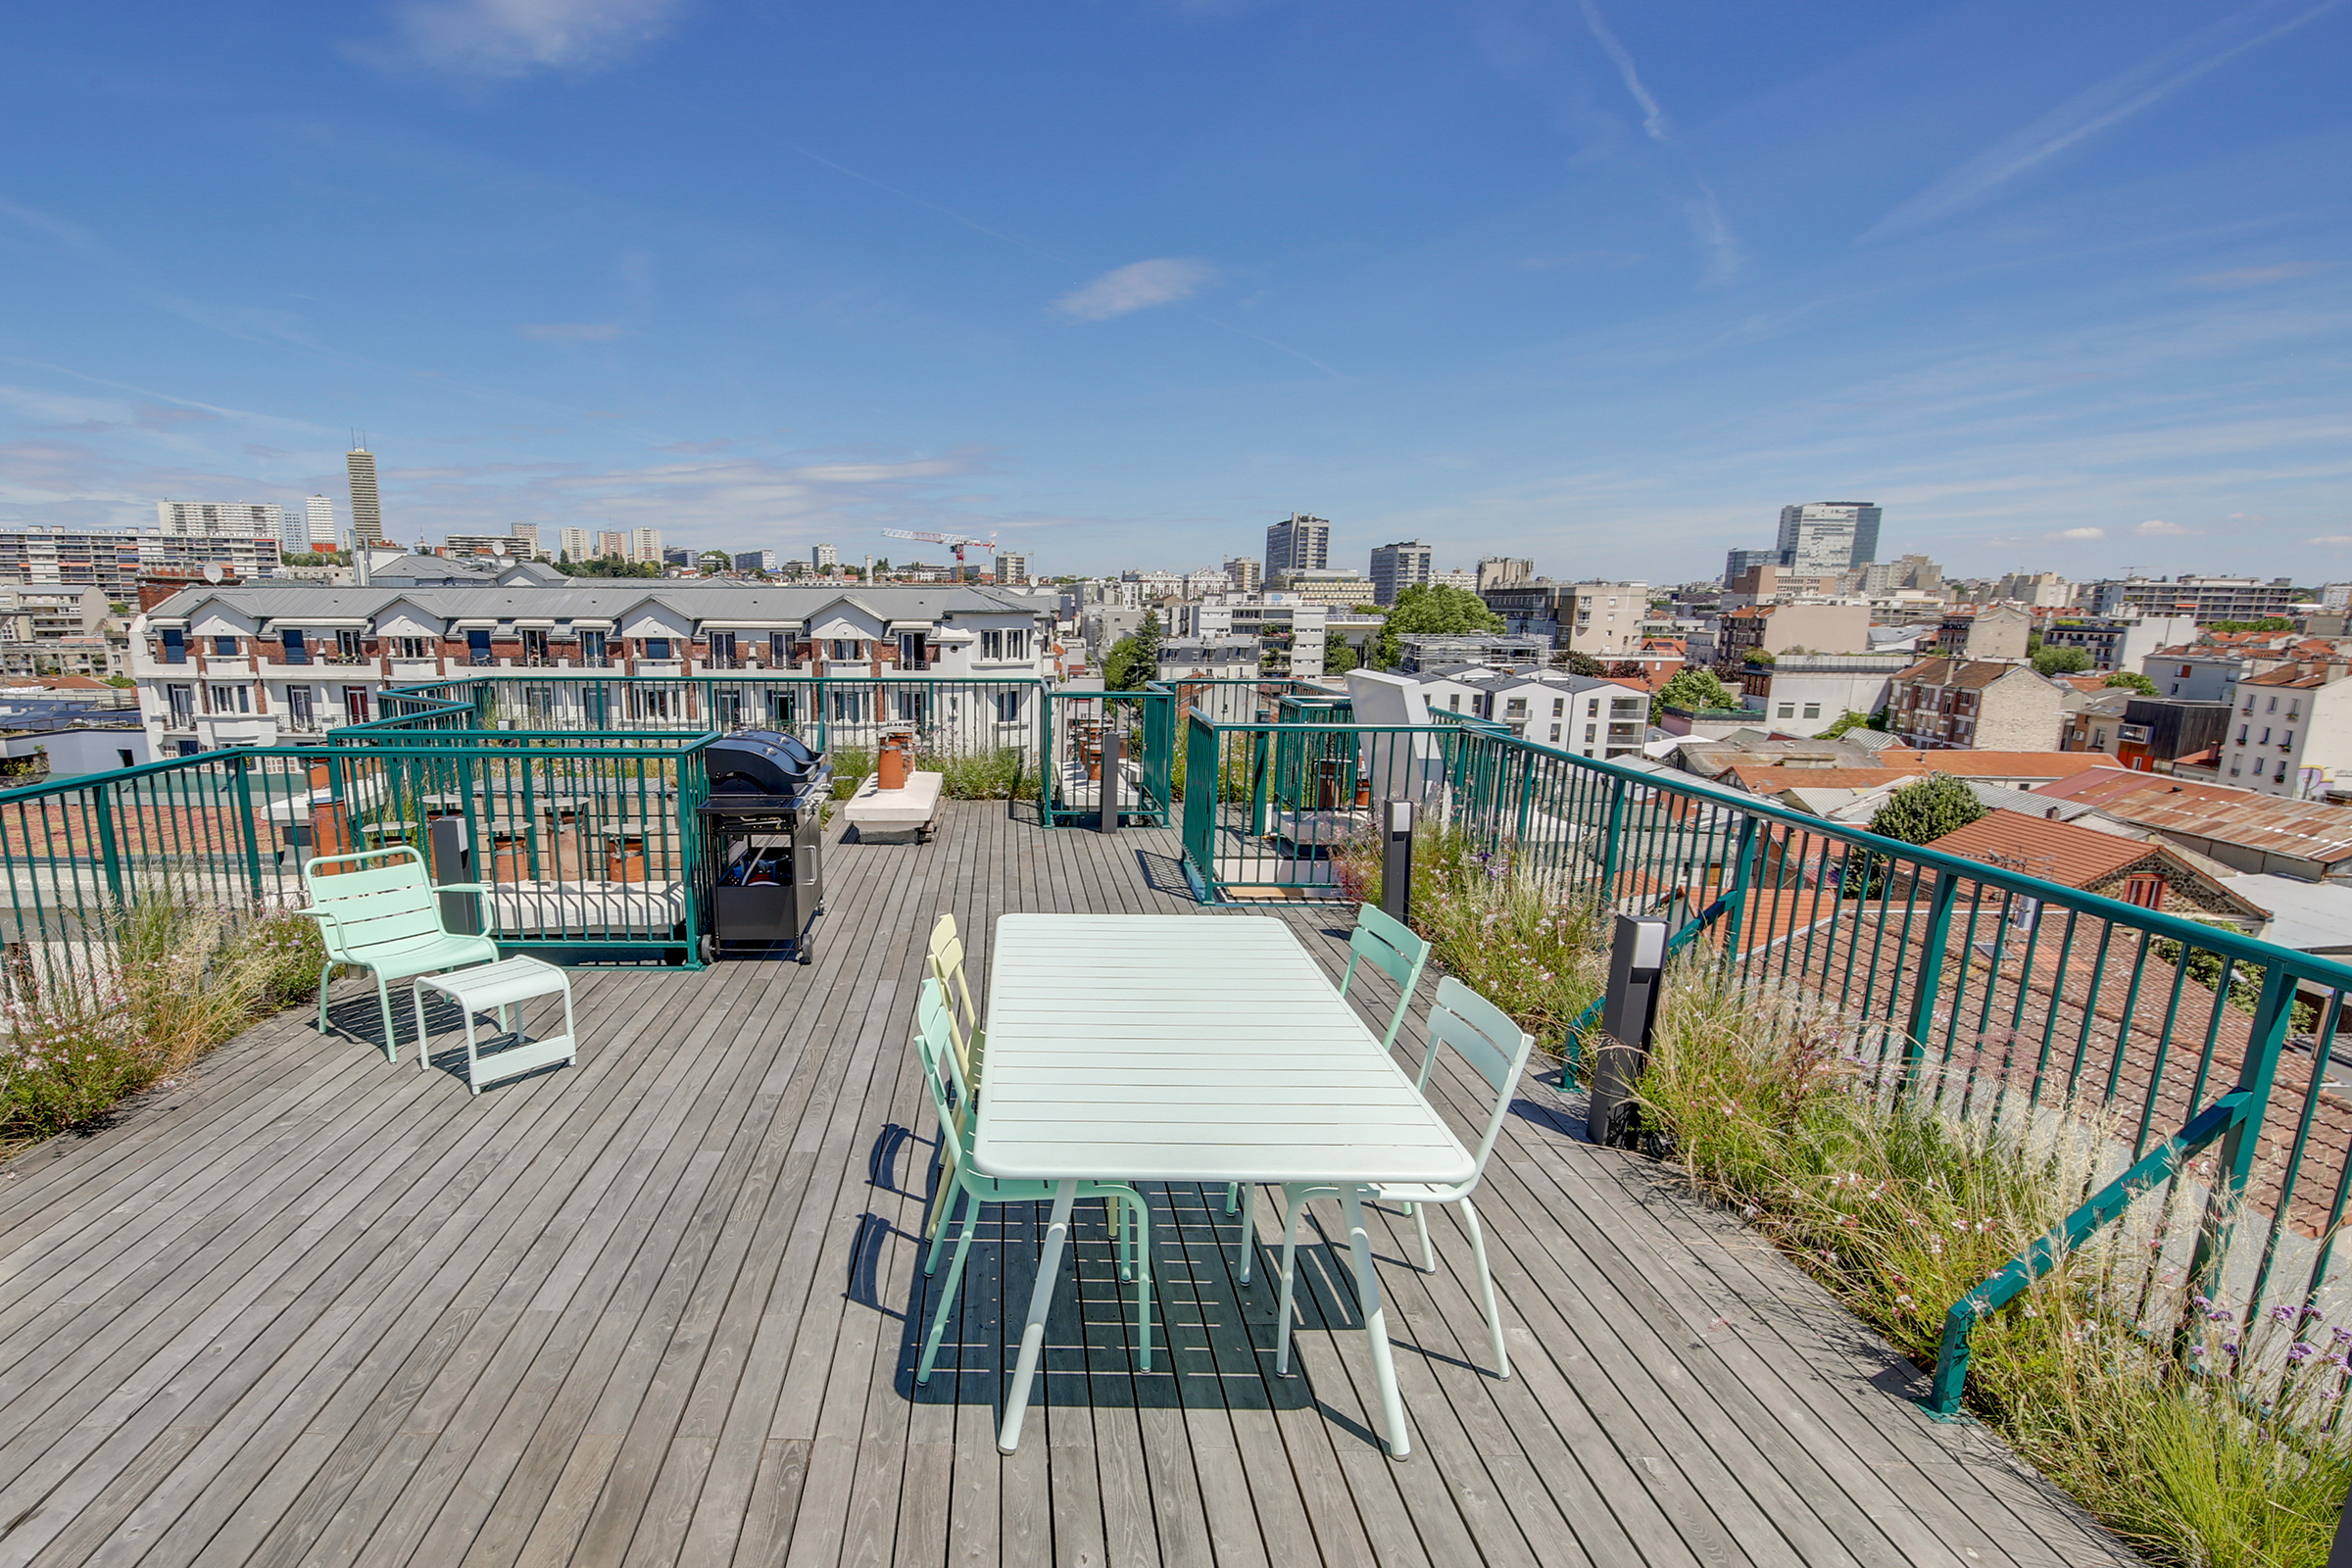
(1212, 1336)
(356, 1021)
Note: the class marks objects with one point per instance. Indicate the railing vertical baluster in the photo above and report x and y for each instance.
(110, 853)
(2234, 1160)
(242, 783)
(1931, 973)
(1608, 854)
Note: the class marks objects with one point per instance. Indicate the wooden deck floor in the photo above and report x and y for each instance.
(306, 1308)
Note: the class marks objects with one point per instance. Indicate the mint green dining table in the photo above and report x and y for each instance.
(1205, 1048)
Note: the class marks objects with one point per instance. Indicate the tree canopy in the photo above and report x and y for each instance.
(2132, 681)
(1339, 656)
(1133, 662)
(1693, 689)
(2062, 661)
(1431, 610)
(1925, 810)
(1576, 663)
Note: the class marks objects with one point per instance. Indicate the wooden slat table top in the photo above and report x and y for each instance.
(1170, 1048)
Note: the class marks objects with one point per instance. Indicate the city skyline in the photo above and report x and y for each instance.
(1581, 286)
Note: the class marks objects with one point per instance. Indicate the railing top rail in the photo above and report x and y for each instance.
(2155, 924)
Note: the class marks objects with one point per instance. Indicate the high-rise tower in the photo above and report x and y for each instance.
(1825, 537)
(367, 512)
(1297, 543)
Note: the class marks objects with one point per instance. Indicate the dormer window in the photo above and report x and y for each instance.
(655, 647)
(224, 647)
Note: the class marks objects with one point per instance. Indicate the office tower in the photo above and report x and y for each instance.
(1825, 537)
(575, 544)
(1399, 566)
(644, 544)
(824, 557)
(319, 514)
(1738, 563)
(1297, 543)
(221, 519)
(527, 539)
(366, 510)
(1503, 571)
(1244, 575)
(1013, 567)
(756, 561)
(611, 542)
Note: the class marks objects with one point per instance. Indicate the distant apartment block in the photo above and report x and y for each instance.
(575, 545)
(527, 540)
(113, 559)
(1399, 566)
(1243, 574)
(1600, 618)
(1738, 563)
(2118, 642)
(1297, 543)
(367, 507)
(824, 557)
(1828, 536)
(1012, 568)
(319, 514)
(1336, 588)
(1503, 571)
(1998, 633)
(2291, 733)
(2205, 600)
(1975, 705)
(221, 519)
(1776, 629)
(2035, 590)
(756, 561)
(611, 542)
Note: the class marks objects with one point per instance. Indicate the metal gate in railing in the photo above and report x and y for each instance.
(1120, 742)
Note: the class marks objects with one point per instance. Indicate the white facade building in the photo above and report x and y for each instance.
(575, 545)
(824, 557)
(1823, 538)
(1012, 568)
(644, 544)
(221, 519)
(1293, 629)
(2293, 732)
(1297, 543)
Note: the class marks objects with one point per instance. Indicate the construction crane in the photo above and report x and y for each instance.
(953, 541)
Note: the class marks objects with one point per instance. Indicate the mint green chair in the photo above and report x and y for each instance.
(1486, 1036)
(952, 1107)
(944, 958)
(1390, 947)
(388, 920)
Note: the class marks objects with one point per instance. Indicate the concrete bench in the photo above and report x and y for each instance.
(894, 817)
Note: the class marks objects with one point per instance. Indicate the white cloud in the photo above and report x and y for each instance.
(2077, 533)
(2158, 528)
(571, 331)
(2330, 539)
(513, 37)
(1137, 286)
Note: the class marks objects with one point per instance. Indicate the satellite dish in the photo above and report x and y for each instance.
(214, 573)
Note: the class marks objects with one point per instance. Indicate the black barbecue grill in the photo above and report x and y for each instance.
(762, 820)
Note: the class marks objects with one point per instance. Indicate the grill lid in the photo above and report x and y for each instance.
(760, 762)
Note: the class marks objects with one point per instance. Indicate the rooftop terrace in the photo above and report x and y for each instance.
(303, 1307)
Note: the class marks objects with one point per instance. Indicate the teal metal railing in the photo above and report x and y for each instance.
(1982, 990)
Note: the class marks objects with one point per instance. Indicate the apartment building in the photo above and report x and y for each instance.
(1503, 571)
(1245, 575)
(1578, 714)
(2035, 590)
(1975, 705)
(114, 559)
(224, 519)
(2118, 642)
(1399, 566)
(1495, 650)
(1012, 568)
(1996, 634)
(62, 631)
(756, 561)
(1776, 629)
(1208, 659)
(1337, 589)
(2292, 734)
(1297, 543)
(1292, 628)
(2205, 600)
(1601, 618)
(1804, 693)
(255, 665)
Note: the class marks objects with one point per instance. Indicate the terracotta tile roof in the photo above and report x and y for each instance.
(1974, 674)
(1896, 762)
(2302, 829)
(2055, 852)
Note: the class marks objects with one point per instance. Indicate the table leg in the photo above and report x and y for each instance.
(416, 998)
(1041, 1299)
(1376, 1325)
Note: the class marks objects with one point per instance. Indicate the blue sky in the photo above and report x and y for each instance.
(2063, 288)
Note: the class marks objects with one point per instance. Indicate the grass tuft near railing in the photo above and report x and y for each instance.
(2201, 1441)
(138, 995)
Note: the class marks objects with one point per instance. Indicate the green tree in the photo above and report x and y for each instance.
(1338, 658)
(2266, 623)
(1925, 810)
(2132, 681)
(2062, 661)
(1693, 689)
(1133, 662)
(1849, 719)
(1576, 663)
(1431, 610)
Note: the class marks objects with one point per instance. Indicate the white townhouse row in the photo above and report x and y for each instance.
(262, 666)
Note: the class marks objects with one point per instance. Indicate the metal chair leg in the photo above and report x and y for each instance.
(1486, 1287)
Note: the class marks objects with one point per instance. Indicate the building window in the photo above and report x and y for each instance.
(592, 648)
(175, 645)
(1555, 734)
(913, 706)
(2273, 708)
(232, 699)
(1559, 706)
(722, 649)
(1453, 702)
(1787, 710)
(655, 647)
(181, 699)
(227, 648)
(355, 703)
(843, 649)
(1590, 730)
(297, 707)
(411, 648)
(783, 709)
(914, 651)
(534, 646)
(779, 649)
(348, 646)
(1812, 710)
(298, 652)
(1008, 707)
(1516, 708)
(128, 761)
(477, 646)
